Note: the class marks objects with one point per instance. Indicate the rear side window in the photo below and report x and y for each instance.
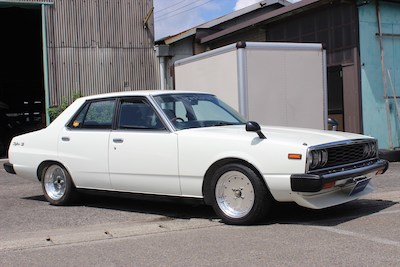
(97, 115)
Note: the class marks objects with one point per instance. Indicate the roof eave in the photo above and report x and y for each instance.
(191, 32)
(270, 16)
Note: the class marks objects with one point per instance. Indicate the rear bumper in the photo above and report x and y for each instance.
(315, 182)
(9, 168)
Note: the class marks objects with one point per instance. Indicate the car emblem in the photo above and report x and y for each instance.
(18, 144)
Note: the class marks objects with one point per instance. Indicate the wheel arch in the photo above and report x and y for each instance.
(45, 164)
(206, 188)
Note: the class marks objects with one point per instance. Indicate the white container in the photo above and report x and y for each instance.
(271, 83)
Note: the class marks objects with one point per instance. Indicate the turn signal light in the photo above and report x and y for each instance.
(328, 185)
(294, 156)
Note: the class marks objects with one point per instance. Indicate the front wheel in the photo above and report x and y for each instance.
(240, 197)
(57, 185)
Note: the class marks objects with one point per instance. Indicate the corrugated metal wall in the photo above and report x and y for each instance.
(99, 46)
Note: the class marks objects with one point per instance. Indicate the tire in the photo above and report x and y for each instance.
(239, 195)
(57, 185)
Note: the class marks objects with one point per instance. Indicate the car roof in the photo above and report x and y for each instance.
(141, 93)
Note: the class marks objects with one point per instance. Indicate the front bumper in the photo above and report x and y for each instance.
(312, 183)
(9, 168)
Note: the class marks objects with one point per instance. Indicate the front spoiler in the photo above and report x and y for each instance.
(314, 182)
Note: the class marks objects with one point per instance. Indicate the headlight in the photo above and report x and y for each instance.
(324, 157)
(317, 158)
(312, 160)
(369, 150)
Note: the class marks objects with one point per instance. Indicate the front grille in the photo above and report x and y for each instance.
(344, 155)
(330, 156)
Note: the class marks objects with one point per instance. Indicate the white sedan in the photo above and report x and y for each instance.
(192, 145)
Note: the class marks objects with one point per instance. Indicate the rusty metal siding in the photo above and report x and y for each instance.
(253, 35)
(99, 46)
(335, 26)
(27, 1)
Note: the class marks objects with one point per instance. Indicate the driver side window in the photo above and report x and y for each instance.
(138, 114)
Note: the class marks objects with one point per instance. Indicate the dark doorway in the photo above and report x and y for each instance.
(335, 95)
(21, 72)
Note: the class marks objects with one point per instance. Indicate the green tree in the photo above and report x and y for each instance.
(55, 111)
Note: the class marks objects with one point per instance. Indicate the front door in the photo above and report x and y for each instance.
(143, 153)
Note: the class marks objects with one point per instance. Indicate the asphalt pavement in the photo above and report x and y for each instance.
(113, 231)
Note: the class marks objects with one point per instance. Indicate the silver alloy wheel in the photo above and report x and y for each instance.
(234, 194)
(55, 181)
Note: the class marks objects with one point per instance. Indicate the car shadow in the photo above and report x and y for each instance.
(291, 213)
(173, 208)
(281, 213)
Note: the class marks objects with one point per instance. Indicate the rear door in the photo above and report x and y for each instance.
(83, 144)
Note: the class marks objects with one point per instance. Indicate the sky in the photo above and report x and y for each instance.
(175, 16)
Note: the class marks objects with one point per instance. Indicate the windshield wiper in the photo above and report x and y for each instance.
(224, 123)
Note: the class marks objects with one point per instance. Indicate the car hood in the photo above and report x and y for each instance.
(279, 134)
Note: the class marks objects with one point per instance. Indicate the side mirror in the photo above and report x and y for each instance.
(333, 124)
(252, 126)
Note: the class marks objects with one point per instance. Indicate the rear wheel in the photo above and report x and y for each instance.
(240, 197)
(57, 185)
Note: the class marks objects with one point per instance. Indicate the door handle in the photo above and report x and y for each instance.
(118, 140)
(65, 138)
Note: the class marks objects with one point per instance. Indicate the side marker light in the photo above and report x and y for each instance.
(294, 156)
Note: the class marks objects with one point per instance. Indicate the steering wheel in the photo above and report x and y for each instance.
(177, 119)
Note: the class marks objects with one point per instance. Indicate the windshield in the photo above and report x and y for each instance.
(197, 110)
